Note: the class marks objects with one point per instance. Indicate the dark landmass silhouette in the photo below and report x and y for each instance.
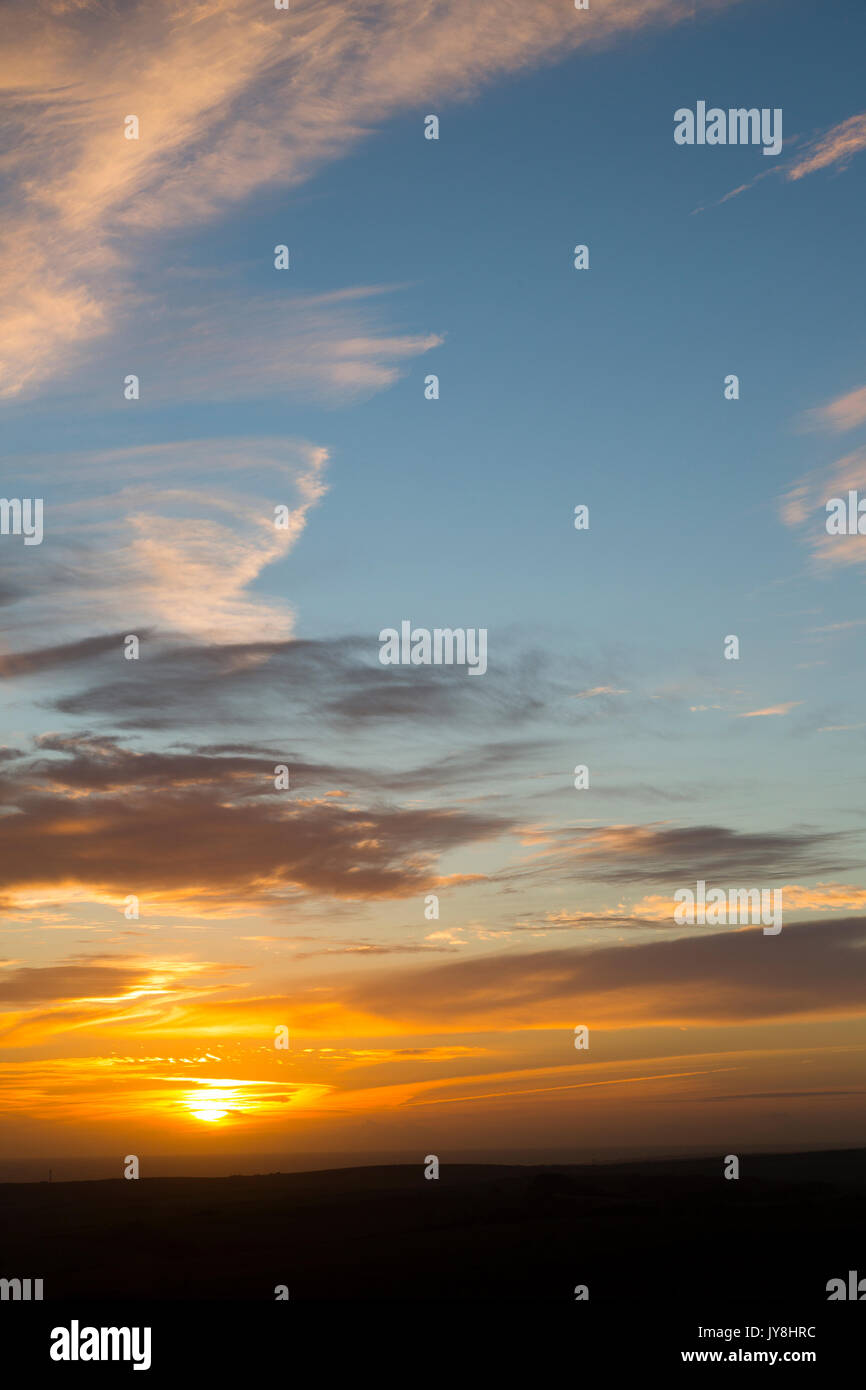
(651, 1232)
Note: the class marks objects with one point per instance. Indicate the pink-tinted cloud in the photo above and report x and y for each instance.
(835, 148)
(770, 709)
(845, 413)
(805, 507)
(229, 100)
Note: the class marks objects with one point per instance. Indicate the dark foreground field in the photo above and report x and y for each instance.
(650, 1233)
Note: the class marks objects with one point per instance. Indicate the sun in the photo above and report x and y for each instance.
(212, 1101)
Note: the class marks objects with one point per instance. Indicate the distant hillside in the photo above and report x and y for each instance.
(651, 1231)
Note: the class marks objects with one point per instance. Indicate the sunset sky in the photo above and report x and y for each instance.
(305, 908)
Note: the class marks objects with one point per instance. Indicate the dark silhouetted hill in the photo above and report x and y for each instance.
(637, 1231)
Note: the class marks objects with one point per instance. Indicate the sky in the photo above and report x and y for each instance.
(148, 785)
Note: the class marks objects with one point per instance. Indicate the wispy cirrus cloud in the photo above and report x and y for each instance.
(599, 690)
(84, 992)
(246, 99)
(328, 348)
(835, 148)
(832, 149)
(844, 413)
(784, 708)
(181, 556)
(804, 508)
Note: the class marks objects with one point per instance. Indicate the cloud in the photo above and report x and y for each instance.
(180, 556)
(29, 984)
(837, 146)
(815, 970)
(98, 981)
(599, 690)
(804, 506)
(839, 896)
(810, 971)
(29, 663)
(175, 1089)
(84, 992)
(834, 148)
(247, 99)
(92, 763)
(845, 413)
(783, 1095)
(651, 911)
(656, 910)
(325, 348)
(195, 831)
(376, 948)
(336, 681)
(660, 853)
(771, 709)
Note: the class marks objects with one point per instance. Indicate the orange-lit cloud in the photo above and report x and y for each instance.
(770, 709)
(192, 830)
(658, 909)
(714, 976)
